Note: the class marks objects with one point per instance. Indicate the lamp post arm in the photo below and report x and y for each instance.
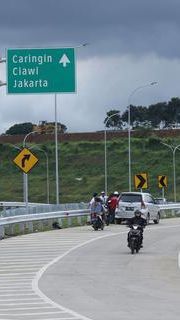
(177, 147)
(169, 146)
(27, 135)
(139, 88)
(111, 116)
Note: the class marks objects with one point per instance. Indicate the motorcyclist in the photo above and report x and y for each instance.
(97, 209)
(137, 220)
(92, 199)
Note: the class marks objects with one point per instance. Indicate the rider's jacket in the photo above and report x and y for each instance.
(137, 220)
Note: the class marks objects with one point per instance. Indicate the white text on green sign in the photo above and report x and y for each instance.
(40, 70)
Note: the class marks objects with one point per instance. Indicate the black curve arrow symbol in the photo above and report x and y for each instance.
(162, 182)
(24, 159)
(142, 181)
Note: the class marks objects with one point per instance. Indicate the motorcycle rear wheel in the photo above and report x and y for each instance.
(132, 246)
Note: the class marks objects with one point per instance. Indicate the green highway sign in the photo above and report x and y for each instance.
(40, 70)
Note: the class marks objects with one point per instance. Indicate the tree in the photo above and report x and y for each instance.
(153, 116)
(21, 128)
(113, 121)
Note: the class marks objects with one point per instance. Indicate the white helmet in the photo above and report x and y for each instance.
(116, 193)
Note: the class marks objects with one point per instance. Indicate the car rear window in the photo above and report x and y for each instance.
(131, 198)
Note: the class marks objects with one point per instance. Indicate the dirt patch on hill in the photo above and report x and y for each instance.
(87, 136)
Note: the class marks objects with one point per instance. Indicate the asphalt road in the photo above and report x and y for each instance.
(79, 273)
(102, 280)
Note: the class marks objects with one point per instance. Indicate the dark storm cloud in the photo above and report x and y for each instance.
(128, 26)
(132, 43)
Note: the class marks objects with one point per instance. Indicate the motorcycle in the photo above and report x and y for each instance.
(97, 221)
(135, 238)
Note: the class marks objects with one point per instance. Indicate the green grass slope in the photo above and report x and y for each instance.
(81, 169)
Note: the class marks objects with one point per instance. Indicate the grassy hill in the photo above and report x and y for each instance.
(81, 169)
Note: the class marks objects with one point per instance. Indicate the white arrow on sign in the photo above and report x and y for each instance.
(64, 60)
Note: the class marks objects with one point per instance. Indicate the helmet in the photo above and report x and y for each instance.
(102, 192)
(116, 193)
(137, 213)
(95, 194)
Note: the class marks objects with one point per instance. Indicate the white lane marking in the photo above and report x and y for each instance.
(179, 259)
(19, 288)
(16, 274)
(19, 281)
(27, 308)
(25, 299)
(19, 262)
(26, 303)
(33, 313)
(18, 294)
(6, 290)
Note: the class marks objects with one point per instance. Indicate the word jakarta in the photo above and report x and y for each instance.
(30, 83)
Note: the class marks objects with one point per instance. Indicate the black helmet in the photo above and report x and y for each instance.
(137, 213)
(95, 194)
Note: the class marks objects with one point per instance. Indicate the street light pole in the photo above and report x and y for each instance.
(129, 125)
(173, 149)
(47, 169)
(105, 152)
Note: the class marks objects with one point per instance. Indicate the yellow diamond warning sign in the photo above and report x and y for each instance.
(25, 160)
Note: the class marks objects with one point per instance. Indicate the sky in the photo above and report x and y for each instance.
(130, 44)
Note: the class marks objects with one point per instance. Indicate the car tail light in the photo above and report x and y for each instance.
(143, 205)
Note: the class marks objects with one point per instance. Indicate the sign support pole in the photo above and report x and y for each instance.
(56, 151)
(25, 175)
(25, 186)
(163, 192)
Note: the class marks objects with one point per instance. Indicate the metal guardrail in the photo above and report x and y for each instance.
(169, 206)
(43, 216)
(6, 204)
(13, 208)
(26, 221)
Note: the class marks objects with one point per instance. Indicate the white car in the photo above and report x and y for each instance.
(130, 201)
